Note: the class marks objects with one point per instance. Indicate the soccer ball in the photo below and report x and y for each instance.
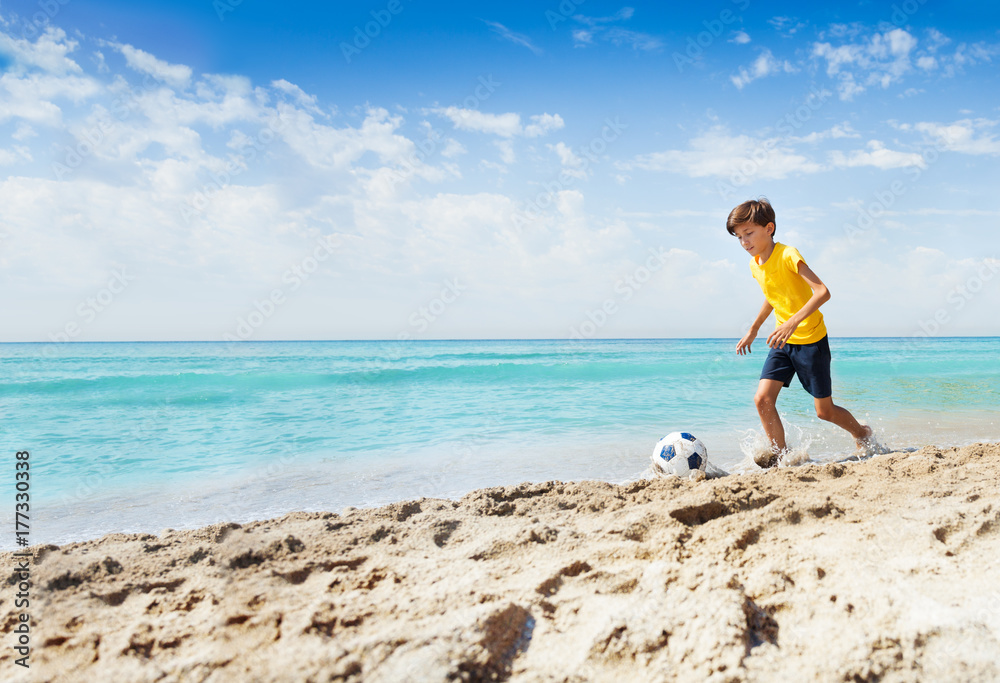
(680, 453)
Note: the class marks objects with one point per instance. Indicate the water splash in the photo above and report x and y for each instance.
(754, 443)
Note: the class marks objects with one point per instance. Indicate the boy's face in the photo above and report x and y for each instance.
(756, 239)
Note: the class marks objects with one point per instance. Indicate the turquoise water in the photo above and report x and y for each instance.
(143, 436)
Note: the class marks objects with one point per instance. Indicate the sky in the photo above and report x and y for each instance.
(393, 169)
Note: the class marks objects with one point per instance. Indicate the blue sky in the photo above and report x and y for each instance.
(219, 170)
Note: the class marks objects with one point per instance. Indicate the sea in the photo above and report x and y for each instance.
(145, 436)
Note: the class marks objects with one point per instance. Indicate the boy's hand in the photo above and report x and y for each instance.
(743, 347)
(781, 334)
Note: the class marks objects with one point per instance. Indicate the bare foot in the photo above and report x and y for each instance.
(766, 459)
(865, 440)
(868, 444)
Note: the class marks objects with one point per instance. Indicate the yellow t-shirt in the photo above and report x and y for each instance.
(787, 292)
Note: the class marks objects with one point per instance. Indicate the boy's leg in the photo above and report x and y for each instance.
(765, 400)
(812, 363)
(826, 410)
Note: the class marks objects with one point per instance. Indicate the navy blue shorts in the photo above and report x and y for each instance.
(811, 362)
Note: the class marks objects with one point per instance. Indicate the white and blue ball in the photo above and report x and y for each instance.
(680, 453)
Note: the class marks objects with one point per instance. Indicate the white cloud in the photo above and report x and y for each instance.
(933, 57)
(878, 156)
(605, 29)
(936, 39)
(9, 157)
(970, 55)
(23, 132)
(48, 53)
(623, 14)
(138, 116)
(786, 26)
(506, 148)
(566, 155)
(873, 278)
(838, 131)
(454, 231)
(634, 39)
(849, 30)
(129, 121)
(844, 130)
(573, 165)
(886, 58)
(837, 57)
(516, 38)
(486, 163)
(717, 153)
(453, 148)
(505, 125)
(39, 76)
(897, 43)
(176, 75)
(325, 146)
(303, 99)
(968, 136)
(542, 124)
(740, 38)
(32, 97)
(100, 62)
(448, 223)
(764, 65)
(350, 174)
(881, 60)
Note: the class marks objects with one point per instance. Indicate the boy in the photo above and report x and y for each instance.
(799, 343)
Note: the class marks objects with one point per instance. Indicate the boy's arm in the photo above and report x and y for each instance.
(820, 296)
(744, 344)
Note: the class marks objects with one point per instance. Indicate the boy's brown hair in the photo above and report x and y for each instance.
(756, 211)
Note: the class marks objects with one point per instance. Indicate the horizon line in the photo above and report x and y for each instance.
(463, 339)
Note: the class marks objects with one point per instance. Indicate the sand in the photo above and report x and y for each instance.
(883, 570)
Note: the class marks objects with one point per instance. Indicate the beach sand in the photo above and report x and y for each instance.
(883, 570)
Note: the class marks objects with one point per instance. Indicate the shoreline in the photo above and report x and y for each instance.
(223, 501)
(879, 569)
(183, 436)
